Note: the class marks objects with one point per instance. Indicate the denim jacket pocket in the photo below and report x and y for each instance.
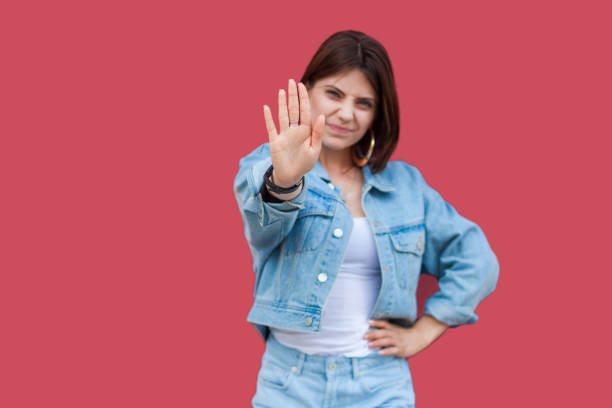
(311, 225)
(409, 244)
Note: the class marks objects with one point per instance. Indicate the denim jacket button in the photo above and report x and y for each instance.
(330, 185)
(322, 277)
(308, 321)
(420, 244)
(338, 232)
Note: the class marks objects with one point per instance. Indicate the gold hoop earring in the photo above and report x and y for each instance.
(361, 161)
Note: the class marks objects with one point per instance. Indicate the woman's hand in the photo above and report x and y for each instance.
(404, 341)
(296, 149)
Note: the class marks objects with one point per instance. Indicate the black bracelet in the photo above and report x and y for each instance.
(266, 196)
(279, 190)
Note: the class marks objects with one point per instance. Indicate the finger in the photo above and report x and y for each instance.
(283, 118)
(380, 323)
(391, 351)
(294, 105)
(317, 132)
(270, 126)
(387, 341)
(304, 105)
(377, 334)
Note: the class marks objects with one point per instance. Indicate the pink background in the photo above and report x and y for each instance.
(125, 278)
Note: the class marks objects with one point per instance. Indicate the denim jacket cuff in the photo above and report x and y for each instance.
(447, 313)
(269, 212)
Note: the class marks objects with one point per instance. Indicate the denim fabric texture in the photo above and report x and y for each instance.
(289, 378)
(295, 243)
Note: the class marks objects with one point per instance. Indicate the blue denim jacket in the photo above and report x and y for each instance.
(297, 247)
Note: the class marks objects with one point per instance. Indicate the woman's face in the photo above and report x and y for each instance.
(348, 102)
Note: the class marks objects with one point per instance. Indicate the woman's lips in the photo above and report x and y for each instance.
(338, 129)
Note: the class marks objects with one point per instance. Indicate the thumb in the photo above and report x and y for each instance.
(317, 131)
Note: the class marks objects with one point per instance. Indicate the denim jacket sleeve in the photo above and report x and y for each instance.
(266, 224)
(458, 254)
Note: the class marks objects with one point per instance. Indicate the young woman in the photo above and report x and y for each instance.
(339, 236)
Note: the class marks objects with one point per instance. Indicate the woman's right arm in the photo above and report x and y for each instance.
(266, 224)
(292, 152)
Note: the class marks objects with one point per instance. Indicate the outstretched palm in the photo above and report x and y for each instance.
(295, 150)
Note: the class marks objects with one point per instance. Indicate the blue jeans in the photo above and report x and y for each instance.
(289, 378)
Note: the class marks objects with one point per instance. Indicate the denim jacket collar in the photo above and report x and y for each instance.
(375, 180)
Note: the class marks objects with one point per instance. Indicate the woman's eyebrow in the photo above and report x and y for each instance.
(342, 93)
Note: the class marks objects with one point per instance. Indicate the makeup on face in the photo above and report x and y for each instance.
(362, 101)
(348, 102)
(339, 129)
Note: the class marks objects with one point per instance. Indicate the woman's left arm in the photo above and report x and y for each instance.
(404, 341)
(458, 254)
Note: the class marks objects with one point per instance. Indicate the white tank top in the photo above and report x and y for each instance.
(350, 302)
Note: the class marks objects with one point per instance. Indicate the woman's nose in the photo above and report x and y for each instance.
(345, 112)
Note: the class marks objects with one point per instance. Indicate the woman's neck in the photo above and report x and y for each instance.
(336, 162)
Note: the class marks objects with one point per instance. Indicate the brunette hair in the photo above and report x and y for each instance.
(348, 50)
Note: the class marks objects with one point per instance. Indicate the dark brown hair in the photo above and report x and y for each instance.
(348, 50)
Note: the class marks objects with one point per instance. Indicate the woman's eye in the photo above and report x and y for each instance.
(337, 95)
